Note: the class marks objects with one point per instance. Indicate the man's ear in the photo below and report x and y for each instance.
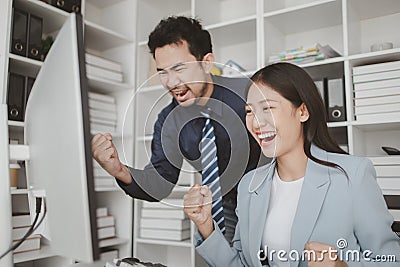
(208, 62)
(304, 114)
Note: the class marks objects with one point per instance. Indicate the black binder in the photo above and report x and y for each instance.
(35, 37)
(29, 84)
(16, 97)
(392, 201)
(67, 5)
(336, 102)
(19, 32)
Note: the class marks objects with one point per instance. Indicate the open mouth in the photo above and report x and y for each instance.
(266, 138)
(180, 94)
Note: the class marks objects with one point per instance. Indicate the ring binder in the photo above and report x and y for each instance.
(19, 32)
(15, 97)
(336, 100)
(35, 37)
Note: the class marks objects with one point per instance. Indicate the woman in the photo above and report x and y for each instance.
(313, 205)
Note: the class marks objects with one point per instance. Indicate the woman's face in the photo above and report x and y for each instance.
(273, 121)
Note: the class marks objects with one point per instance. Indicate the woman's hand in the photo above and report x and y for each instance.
(325, 256)
(197, 205)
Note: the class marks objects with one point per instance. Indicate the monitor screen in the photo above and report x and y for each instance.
(57, 131)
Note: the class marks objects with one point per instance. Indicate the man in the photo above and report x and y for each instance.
(204, 124)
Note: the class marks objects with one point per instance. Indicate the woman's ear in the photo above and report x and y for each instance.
(304, 114)
(208, 62)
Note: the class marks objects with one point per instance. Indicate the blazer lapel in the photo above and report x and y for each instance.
(259, 189)
(312, 196)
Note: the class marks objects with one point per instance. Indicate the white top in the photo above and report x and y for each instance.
(281, 211)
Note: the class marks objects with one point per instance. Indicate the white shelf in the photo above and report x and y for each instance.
(324, 14)
(375, 57)
(44, 252)
(107, 189)
(19, 152)
(230, 22)
(322, 62)
(247, 74)
(391, 192)
(104, 3)
(146, 138)
(377, 125)
(338, 124)
(101, 85)
(185, 243)
(100, 38)
(19, 191)
(24, 65)
(112, 242)
(19, 124)
(150, 89)
(54, 17)
(142, 43)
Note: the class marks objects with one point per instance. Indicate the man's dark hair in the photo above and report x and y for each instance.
(175, 29)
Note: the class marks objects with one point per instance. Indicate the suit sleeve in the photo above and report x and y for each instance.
(159, 176)
(216, 250)
(372, 220)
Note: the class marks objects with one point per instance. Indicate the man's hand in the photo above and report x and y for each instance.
(105, 153)
(326, 256)
(197, 205)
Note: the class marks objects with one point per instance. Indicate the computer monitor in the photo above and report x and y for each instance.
(57, 131)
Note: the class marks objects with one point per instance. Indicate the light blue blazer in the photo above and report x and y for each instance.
(331, 207)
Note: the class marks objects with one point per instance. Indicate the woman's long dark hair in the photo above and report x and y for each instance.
(294, 84)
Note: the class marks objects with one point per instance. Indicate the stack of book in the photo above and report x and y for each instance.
(109, 255)
(377, 91)
(105, 224)
(21, 223)
(388, 177)
(387, 172)
(103, 68)
(103, 113)
(102, 179)
(164, 220)
(302, 55)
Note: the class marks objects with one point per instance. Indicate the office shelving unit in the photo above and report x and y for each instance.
(109, 32)
(248, 32)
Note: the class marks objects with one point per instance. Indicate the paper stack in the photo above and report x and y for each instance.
(102, 179)
(377, 91)
(388, 173)
(21, 223)
(164, 220)
(302, 55)
(103, 113)
(105, 224)
(109, 255)
(103, 68)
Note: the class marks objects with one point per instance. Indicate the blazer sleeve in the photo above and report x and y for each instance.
(372, 220)
(216, 251)
(156, 181)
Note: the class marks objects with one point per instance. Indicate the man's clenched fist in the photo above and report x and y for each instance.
(105, 153)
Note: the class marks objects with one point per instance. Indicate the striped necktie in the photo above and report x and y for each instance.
(210, 175)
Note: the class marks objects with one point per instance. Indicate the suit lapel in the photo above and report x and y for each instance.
(312, 196)
(260, 188)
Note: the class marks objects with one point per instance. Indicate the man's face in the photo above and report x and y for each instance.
(180, 73)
